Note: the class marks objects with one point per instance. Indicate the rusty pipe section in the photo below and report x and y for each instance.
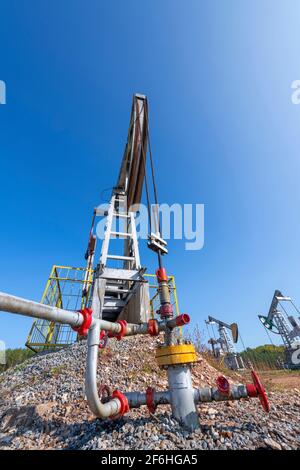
(18, 305)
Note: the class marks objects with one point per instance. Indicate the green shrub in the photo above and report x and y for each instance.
(15, 356)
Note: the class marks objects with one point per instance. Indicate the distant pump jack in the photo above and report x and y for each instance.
(223, 346)
(279, 322)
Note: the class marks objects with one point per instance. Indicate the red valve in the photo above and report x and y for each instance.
(257, 389)
(124, 404)
(183, 319)
(150, 400)
(153, 329)
(122, 333)
(83, 329)
(103, 338)
(223, 385)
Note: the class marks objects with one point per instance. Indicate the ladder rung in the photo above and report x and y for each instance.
(121, 234)
(119, 214)
(111, 302)
(117, 291)
(124, 258)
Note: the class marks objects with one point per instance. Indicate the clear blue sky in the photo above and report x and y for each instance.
(224, 133)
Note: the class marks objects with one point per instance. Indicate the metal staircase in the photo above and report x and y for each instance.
(121, 282)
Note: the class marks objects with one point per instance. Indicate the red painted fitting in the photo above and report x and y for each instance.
(182, 319)
(123, 331)
(251, 390)
(150, 400)
(223, 385)
(161, 275)
(153, 329)
(257, 389)
(124, 404)
(103, 338)
(166, 310)
(83, 329)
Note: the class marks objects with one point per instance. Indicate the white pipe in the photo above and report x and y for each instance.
(20, 306)
(142, 328)
(102, 410)
(12, 304)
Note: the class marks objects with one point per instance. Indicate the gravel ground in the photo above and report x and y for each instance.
(43, 406)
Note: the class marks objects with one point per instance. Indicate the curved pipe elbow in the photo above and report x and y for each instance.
(101, 410)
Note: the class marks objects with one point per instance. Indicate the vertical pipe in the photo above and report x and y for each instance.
(182, 396)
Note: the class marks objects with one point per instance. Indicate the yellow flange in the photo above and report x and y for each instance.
(176, 354)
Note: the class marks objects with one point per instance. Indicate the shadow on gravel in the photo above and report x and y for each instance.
(26, 421)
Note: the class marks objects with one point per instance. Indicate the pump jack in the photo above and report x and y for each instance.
(287, 326)
(223, 346)
(118, 303)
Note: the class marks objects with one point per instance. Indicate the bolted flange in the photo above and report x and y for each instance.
(176, 354)
(83, 329)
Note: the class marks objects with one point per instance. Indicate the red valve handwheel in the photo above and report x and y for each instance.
(260, 391)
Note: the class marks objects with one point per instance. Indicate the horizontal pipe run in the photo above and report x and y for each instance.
(18, 305)
(142, 328)
(202, 395)
(137, 399)
(208, 394)
(108, 325)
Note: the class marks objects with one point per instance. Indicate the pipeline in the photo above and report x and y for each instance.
(201, 395)
(176, 356)
(83, 322)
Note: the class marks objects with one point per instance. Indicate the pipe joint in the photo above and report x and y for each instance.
(150, 402)
(83, 329)
(124, 405)
(180, 320)
(122, 332)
